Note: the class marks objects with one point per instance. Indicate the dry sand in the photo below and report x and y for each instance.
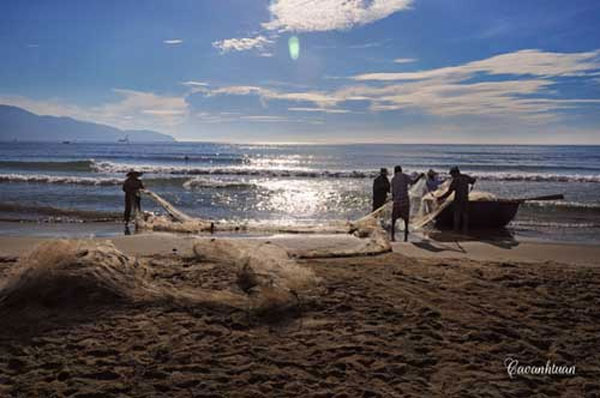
(431, 319)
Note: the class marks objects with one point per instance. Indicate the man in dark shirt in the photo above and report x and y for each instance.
(460, 187)
(132, 187)
(381, 187)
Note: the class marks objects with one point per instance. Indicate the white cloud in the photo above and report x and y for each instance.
(324, 110)
(133, 110)
(324, 15)
(163, 112)
(405, 60)
(524, 62)
(173, 41)
(364, 45)
(240, 90)
(193, 83)
(525, 90)
(242, 44)
(264, 118)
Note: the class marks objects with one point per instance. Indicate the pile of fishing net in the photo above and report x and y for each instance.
(271, 277)
(73, 273)
(63, 275)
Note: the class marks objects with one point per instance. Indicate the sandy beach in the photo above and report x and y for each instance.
(432, 318)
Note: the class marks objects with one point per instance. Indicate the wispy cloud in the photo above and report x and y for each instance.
(173, 41)
(324, 15)
(264, 118)
(525, 88)
(132, 110)
(367, 45)
(324, 110)
(193, 83)
(242, 44)
(524, 62)
(405, 60)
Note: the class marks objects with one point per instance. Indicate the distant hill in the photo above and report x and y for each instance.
(19, 124)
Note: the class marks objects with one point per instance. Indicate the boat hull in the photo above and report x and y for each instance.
(484, 214)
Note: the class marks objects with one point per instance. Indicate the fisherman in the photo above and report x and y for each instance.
(132, 187)
(381, 187)
(460, 187)
(432, 182)
(401, 209)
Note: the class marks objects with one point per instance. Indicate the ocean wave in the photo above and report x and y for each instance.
(566, 205)
(109, 167)
(553, 225)
(88, 181)
(50, 179)
(182, 158)
(74, 165)
(200, 182)
(533, 177)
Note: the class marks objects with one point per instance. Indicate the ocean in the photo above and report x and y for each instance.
(54, 185)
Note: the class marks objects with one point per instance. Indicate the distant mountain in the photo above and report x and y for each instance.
(19, 124)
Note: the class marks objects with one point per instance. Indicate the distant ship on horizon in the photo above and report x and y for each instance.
(123, 140)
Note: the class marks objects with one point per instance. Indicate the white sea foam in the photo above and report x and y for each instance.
(553, 225)
(204, 182)
(50, 179)
(111, 167)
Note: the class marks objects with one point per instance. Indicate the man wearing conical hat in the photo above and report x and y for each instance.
(132, 187)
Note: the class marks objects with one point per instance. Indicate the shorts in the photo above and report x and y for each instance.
(401, 210)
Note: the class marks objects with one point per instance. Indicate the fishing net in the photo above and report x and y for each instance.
(427, 208)
(424, 210)
(369, 228)
(66, 273)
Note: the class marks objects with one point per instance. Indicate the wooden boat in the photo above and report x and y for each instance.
(487, 214)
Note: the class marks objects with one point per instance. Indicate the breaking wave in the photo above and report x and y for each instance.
(200, 182)
(564, 205)
(533, 177)
(559, 225)
(49, 179)
(79, 180)
(110, 167)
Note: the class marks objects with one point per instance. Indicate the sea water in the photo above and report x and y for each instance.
(291, 184)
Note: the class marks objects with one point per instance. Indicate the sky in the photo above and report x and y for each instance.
(311, 71)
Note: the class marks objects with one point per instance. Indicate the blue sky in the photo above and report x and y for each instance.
(440, 71)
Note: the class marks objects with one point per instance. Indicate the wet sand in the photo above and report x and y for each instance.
(428, 320)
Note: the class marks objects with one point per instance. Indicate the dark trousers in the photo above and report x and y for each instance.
(461, 216)
(131, 201)
(379, 201)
